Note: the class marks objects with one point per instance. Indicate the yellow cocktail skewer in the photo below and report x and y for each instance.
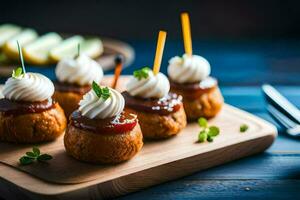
(186, 31)
(159, 51)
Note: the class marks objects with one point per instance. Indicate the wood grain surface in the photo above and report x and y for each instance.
(157, 162)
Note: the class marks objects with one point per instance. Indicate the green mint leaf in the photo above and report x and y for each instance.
(17, 73)
(101, 92)
(44, 157)
(36, 151)
(97, 89)
(202, 122)
(31, 154)
(210, 138)
(25, 160)
(142, 73)
(213, 131)
(105, 93)
(202, 137)
(243, 128)
(207, 133)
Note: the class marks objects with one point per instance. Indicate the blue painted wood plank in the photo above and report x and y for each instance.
(251, 98)
(262, 166)
(222, 189)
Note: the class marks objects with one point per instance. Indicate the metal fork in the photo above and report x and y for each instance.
(281, 103)
(292, 128)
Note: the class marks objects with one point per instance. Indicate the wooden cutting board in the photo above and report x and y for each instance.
(160, 161)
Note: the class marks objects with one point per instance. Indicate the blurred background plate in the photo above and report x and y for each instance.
(112, 47)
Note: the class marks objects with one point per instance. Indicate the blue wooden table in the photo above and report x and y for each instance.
(241, 68)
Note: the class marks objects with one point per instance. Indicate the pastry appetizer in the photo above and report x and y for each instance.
(189, 77)
(160, 113)
(75, 77)
(101, 131)
(27, 112)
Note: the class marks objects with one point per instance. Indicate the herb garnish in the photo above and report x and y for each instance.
(244, 128)
(141, 73)
(207, 133)
(33, 156)
(101, 92)
(19, 71)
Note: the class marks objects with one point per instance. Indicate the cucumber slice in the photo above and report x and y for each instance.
(37, 52)
(66, 49)
(92, 47)
(7, 31)
(25, 37)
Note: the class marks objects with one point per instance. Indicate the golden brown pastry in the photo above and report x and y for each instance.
(200, 100)
(160, 113)
(32, 127)
(101, 131)
(69, 95)
(189, 77)
(161, 126)
(27, 112)
(99, 147)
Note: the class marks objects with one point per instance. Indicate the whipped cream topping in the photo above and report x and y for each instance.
(81, 70)
(188, 69)
(92, 106)
(154, 86)
(32, 87)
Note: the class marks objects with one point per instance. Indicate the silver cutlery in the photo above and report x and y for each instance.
(282, 111)
(292, 128)
(274, 98)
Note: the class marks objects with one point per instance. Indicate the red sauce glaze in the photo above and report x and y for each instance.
(122, 123)
(67, 87)
(163, 106)
(9, 107)
(194, 90)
